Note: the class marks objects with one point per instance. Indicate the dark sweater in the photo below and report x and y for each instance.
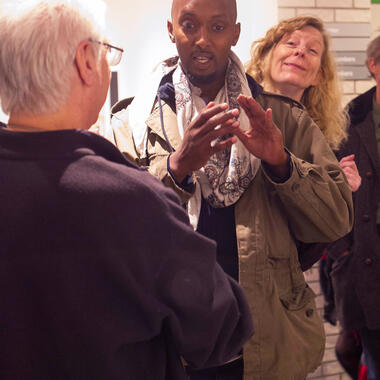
(101, 275)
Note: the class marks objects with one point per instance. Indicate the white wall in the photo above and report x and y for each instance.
(139, 26)
(375, 20)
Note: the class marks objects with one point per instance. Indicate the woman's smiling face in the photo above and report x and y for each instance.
(295, 62)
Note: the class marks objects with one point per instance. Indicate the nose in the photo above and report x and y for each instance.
(300, 51)
(203, 38)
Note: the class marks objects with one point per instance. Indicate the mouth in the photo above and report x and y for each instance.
(202, 59)
(294, 65)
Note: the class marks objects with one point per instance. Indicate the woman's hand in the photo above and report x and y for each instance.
(350, 169)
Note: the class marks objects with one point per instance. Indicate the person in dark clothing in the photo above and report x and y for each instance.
(348, 347)
(102, 275)
(356, 270)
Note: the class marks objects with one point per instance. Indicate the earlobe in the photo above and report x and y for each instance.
(170, 31)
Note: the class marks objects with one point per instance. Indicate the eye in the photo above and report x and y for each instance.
(313, 51)
(218, 27)
(290, 43)
(188, 26)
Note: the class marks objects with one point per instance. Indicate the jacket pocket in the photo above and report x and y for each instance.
(298, 299)
(306, 336)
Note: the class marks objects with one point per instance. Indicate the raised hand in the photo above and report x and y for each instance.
(197, 146)
(350, 169)
(263, 139)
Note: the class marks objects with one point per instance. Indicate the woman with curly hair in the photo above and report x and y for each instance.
(293, 59)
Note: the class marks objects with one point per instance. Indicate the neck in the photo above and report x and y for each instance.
(24, 122)
(65, 118)
(290, 91)
(210, 91)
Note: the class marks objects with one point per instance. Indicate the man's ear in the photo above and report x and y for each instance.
(86, 63)
(371, 65)
(236, 34)
(170, 30)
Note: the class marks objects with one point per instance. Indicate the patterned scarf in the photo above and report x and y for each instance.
(227, 174)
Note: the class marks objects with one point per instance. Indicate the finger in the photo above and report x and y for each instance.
(223, 145)
(349, 164)
(208, 112)
(240, 134)
(348, 158)
(256, 108)
(348, 174)
(346, 164)
(269, 117)
(244, 105)
(253, 110)
(230, 126)
(218, 120)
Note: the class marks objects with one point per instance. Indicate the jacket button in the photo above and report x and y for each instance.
(368, 261)
(309, 312)
(369, 174)
(295, 187)
(365, 218)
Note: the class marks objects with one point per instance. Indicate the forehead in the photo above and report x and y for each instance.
(205, 8)
(309, 33)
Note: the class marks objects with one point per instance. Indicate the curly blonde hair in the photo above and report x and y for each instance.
(323, 101)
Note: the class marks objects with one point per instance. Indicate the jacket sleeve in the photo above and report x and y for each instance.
(156, 157)
(316, 197)
(345, 243)
(180, 284)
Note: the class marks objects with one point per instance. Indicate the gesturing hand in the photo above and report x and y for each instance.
(263, 139)
(196, 147)
(350, 169)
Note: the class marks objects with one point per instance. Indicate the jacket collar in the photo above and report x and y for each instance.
(366, 131)
(360, 107)
(360, 112)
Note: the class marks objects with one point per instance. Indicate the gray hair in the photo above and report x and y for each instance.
(373, 51)
(38, 42)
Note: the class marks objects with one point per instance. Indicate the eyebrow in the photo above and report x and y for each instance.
(192, 14)
(314, 40)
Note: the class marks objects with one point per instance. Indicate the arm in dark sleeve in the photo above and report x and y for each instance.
(178, 279)
(309, 253)
(208, 316)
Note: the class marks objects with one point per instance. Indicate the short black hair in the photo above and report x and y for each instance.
(234, 9)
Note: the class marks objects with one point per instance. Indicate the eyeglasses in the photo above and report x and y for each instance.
(113, 54)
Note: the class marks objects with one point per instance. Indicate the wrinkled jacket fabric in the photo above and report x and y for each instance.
(313, 205)
(103, 277)
(356, 276)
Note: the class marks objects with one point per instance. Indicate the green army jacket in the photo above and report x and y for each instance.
(313, 205)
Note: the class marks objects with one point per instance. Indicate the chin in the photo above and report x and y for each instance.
(199, 80)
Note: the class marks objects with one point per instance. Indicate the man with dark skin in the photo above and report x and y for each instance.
(204, 33)
(254, 173)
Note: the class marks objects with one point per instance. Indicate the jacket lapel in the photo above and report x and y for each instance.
(366, 132)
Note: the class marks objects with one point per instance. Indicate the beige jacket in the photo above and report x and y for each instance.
(313, 205)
